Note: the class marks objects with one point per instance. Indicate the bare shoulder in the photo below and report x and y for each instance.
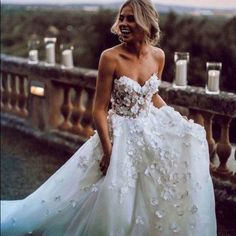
(111, 53)
(158, 53)
(108, 62)
(159, 57)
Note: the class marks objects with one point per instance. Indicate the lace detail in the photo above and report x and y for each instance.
(131, 99)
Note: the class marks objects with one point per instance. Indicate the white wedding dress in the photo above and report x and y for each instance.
(157, 184)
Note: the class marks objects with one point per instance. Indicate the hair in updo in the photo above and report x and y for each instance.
(145, 16)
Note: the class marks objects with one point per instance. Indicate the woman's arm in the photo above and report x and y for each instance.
(158, 101)
(106, 70)
(160, 58)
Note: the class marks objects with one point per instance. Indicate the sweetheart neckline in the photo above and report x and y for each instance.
(136, 82)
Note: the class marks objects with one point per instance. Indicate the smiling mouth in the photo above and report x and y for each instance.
(125, 31)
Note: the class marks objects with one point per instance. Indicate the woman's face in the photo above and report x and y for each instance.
(129, 29)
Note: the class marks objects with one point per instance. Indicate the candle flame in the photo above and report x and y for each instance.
(38, 91)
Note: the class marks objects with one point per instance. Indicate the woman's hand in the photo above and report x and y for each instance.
(105, 161)
(104, 164)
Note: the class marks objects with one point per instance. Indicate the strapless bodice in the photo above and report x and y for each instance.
(131, 99)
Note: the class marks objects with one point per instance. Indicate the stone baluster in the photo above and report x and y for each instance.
(77, 112)
(2, 91)
(66, 109)
(87, 119)
(208, 117)
(14, 95)
(233, 177)
(223, 148)
(6, 96)
(196, 116)
(22, 98)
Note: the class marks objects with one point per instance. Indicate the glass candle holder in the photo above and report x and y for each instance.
(33, 46)
(66, 56)
(213, 77)
(181, 64)
(50, 57)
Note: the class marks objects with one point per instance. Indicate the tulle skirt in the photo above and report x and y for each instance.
(157, 184)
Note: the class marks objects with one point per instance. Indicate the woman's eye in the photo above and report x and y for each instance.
(121, 18)
(130, 18)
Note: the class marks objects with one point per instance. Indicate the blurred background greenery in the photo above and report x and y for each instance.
(207, 38)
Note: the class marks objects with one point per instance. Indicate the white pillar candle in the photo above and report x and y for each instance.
(33, 56)
(50, 53)
(181, 73)
(213, 80)
(67, 58)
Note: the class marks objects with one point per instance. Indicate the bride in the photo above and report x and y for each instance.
(146, 169)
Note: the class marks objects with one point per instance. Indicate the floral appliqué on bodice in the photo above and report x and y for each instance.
(131, 99)
(150, 155)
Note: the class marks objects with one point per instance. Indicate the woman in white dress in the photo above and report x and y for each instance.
(146, 169)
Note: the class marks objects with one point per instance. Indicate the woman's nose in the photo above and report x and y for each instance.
(124, 22)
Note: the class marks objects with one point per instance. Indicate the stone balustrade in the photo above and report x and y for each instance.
(67, 100)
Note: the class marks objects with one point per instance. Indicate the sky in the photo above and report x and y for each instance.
(220, 4)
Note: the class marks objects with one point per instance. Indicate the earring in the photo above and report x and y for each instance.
(120, 38)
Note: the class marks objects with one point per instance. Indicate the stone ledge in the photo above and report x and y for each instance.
(77, 75)
(196, 98)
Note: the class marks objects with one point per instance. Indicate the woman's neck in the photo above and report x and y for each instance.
(138, 48)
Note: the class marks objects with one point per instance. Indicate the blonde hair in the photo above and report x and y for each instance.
(145, 16)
